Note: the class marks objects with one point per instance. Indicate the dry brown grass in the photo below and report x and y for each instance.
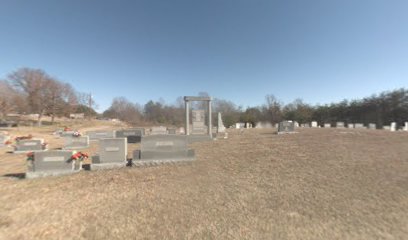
(317, 184)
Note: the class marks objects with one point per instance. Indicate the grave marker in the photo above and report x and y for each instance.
(97, 135)
(158, 130)
(314, 124)
(133, 135)
(372, 126)
(286, 127)
(76, 142)
(340, 124)
(112, 154)
(393, 127)
(51, 163)
(163, 148)
(30, 145)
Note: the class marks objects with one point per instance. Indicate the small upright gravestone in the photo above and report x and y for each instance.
(359, 125)
(162, 149)
(286, 127)
(350, 125)
(372, 126)
(30, 145)
(314, 124)
(112, 154)
(406, 126)
(171, 130)
(199, 126)
(393, 127)
(340, 124)
(133, 135)
(51, 163)
(76, 142)
(327, 125)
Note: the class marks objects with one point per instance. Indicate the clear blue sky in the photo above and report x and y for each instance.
(239, 50)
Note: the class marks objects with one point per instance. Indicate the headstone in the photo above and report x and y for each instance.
(220, 126)
(359, 125)
(350, 125)
(258, 125)
(163, 148)
(393, 127)
(198, 122)
(406, 126)
(97, 135)
(286, 127)
(76, 142)
(29, 145)
(327, 125)
(112, 153)
(171, 130)
(306, 125)
(268, 125)
(158, 130)
(77, 115)
(314, 124)
(66, 133)
(182, 131)
(133, 135)
(296, 124)
(388, 128)
(372, 126)
(237, 125)
(340, 124)
(51, 163)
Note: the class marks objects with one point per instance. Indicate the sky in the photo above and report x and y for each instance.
(238, 50)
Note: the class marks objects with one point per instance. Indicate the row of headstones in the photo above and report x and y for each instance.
(289, 126)
(112, 153)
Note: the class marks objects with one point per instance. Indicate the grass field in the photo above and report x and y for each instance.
(316, 184)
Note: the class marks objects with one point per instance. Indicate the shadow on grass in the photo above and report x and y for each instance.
(15, 175)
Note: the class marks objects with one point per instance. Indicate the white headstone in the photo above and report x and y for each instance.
(393, 127)
(406, 126)
(314, 124)
(221, 127)
(327, 125)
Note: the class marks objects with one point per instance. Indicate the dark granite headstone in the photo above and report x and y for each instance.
(133, 135)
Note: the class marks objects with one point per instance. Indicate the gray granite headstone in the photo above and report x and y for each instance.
(29, 145)
(76, 142)
(133, 135)
(51, 163)
(286, 127)
(162, 148)
(158, 130)
(112, 154)
(96, 135)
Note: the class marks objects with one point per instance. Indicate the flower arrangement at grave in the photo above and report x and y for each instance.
(30, 156)
(76, 134)
(67, 129)
(80, 156)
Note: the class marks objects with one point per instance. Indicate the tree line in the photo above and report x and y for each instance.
(381, 109)
(33, 91)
